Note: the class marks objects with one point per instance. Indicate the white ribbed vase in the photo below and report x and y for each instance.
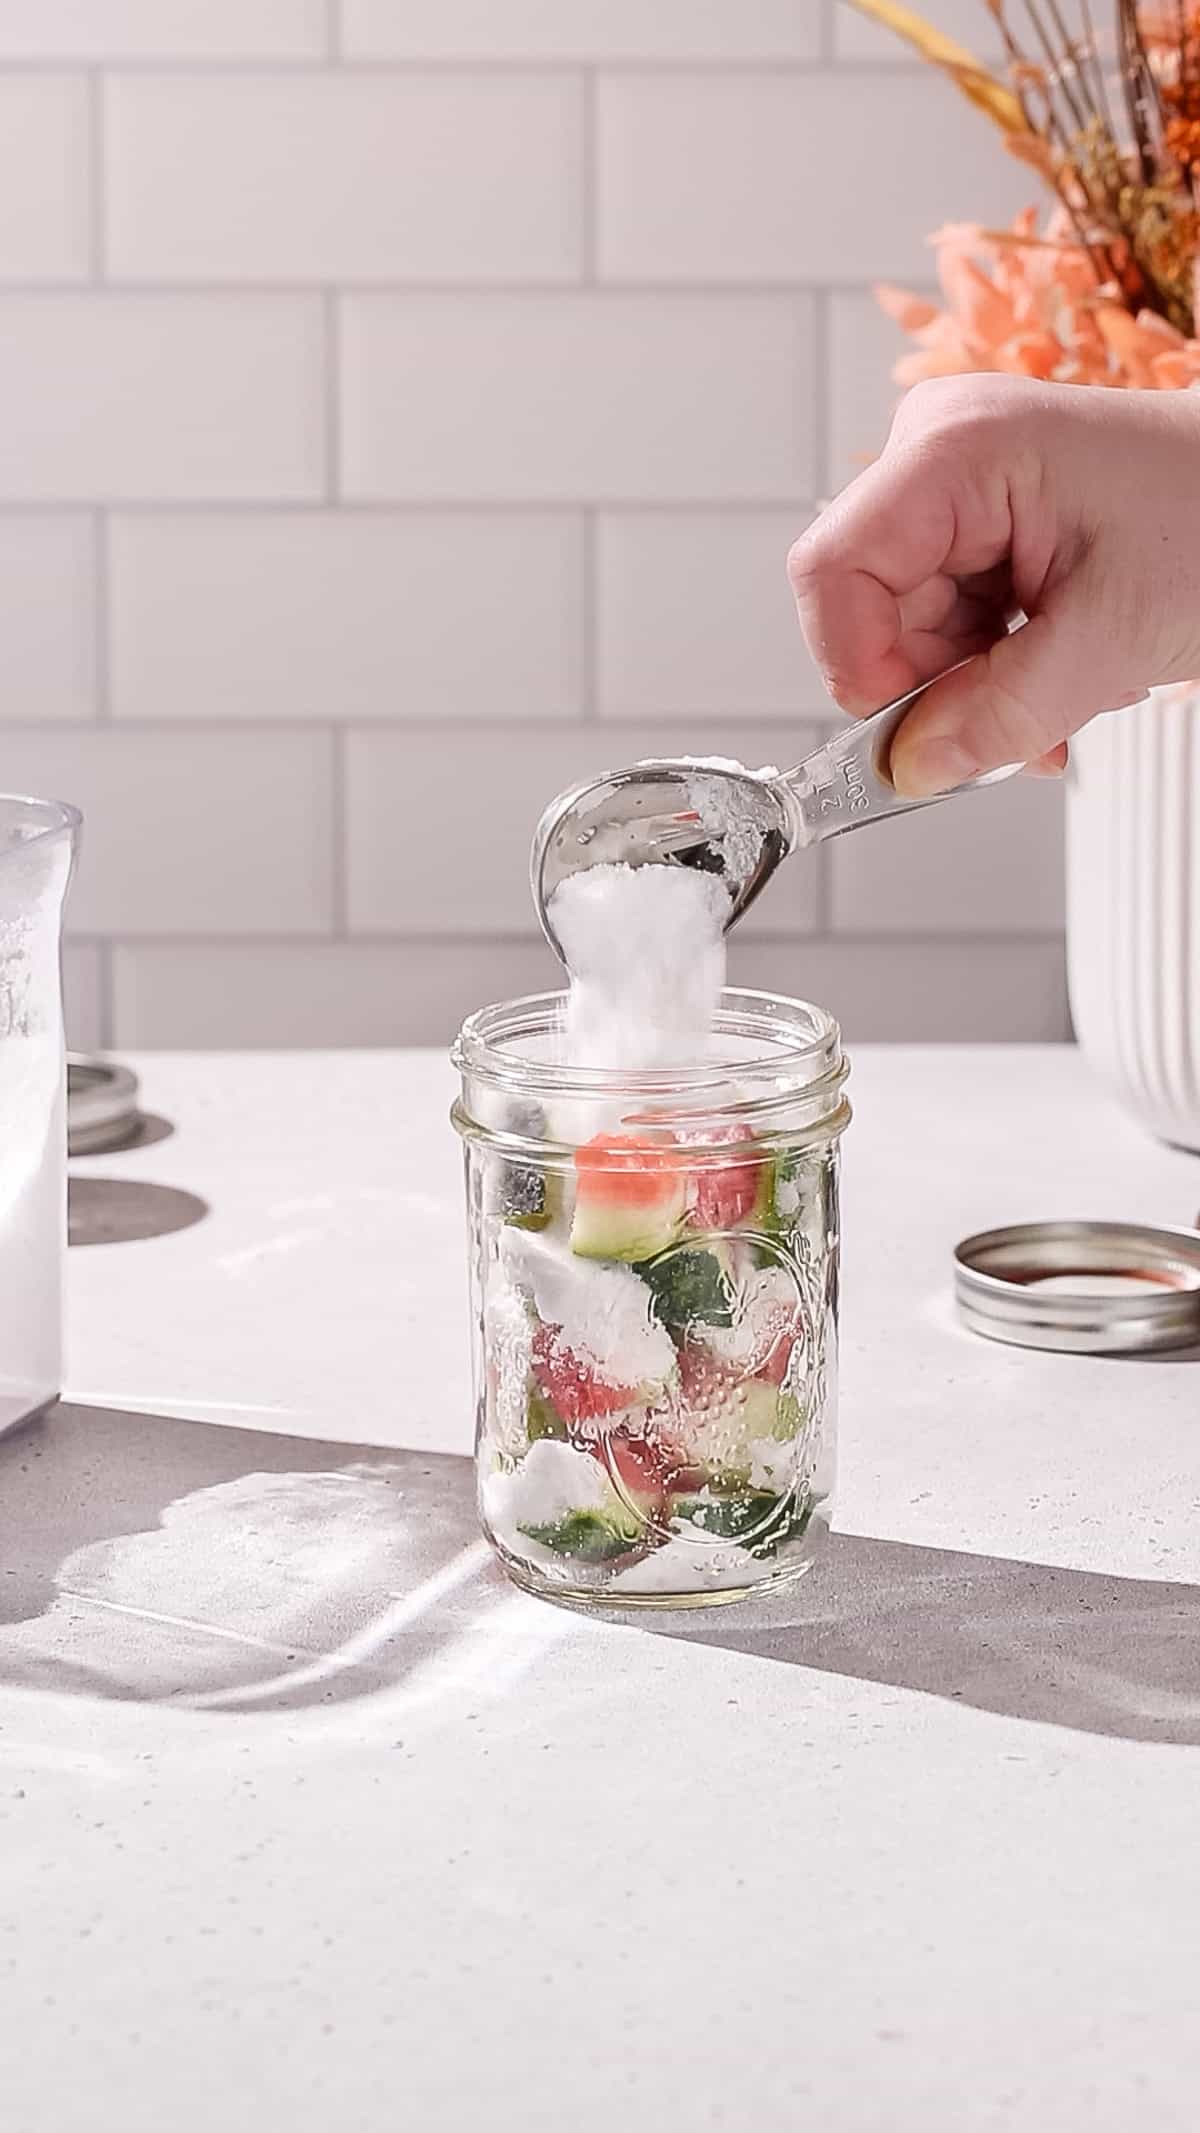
(1133, 908)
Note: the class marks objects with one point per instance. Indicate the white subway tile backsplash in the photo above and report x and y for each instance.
(162, 29)
(789, 177)
(557, 397)
(352, 176)
(346, 615)
(861, 394)
(919, 992)
(969, 22)
(283, 996)
(989, 862)
(582, 29)
(45, 206)
(438, 439)
(695, 619)
(159, 396)
(189, 832)
(47, 617)
(408, 793)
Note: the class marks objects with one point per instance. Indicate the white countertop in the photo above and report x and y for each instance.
(308, 1821)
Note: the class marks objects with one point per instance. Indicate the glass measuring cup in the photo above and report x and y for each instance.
(38, 841)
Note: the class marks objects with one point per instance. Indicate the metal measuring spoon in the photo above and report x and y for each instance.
(738, 824)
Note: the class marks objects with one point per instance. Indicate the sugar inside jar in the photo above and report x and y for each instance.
(654, 1270)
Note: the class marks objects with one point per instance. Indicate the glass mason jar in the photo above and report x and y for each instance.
(654, 1292)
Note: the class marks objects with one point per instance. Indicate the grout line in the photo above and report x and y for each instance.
(589, 676)
(367, 937)
(826, 51)
(771, 724)
(822, 326)
(397, 286)
(333, 30)
(801, 934)
(589, 204)
(766, 64)
(338, 825)
(101, 649)
(317, 505)
(331, 366)
(97, 247)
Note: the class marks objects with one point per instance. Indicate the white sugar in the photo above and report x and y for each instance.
(604, 1312)
(645, 947)
(689, 1565)
(729, 809)
(551, 1482)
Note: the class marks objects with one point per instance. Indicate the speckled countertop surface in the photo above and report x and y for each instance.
(308, 1821)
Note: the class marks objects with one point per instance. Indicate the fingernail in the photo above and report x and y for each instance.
(931, 766)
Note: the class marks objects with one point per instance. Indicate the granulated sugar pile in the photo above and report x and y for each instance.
(645, 948)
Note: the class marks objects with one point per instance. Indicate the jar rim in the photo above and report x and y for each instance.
(794, 1034)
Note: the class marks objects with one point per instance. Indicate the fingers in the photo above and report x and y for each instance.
(919, 538)
(1015, 704)
(1050, 765)
(930, 607)
(878, 545)
(994, 500)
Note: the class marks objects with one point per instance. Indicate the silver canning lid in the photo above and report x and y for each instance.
(1094, 1288)
(102, 1105)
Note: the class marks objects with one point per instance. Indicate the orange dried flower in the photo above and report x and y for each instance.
(1030, 305)
(1182, 137)
(1123, 161)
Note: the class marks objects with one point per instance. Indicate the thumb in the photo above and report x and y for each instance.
(1013, 704)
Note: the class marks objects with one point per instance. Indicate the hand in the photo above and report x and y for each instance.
(1072, 505)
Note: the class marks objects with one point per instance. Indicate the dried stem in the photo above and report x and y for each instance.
(1053, 131)
(1103, 106)
(1056, 76)
(1071, 56)
(1122, 156)
(1018, 65)
(1138, 83)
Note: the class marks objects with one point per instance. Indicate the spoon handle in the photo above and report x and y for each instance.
(845, 784)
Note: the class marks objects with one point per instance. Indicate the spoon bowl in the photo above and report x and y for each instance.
(735, 823)
(717, 818)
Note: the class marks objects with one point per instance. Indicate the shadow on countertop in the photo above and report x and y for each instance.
(148, 1129)
(156, 1560)
(129, 1210)
(152, 1559)
(1077, 1648)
